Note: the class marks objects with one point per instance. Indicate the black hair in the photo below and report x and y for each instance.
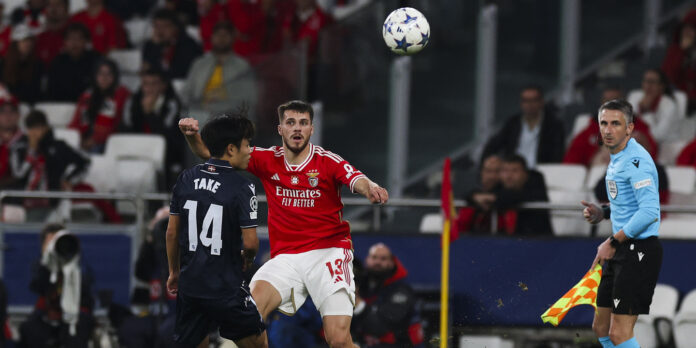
(36, 118)
(226, 129)
(155, 71)
(533, 87)
(619, 105)
(224, 25)
(50, 229)
(167, 15)
(664, 80)
(515, 158)
(98, 97)
(77, 28)
(298, 106)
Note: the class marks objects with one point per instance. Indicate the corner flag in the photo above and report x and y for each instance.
(584, 292)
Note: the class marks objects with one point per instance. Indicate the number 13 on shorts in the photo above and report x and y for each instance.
(336, 270)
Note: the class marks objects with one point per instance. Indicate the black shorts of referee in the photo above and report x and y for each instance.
(629, 278)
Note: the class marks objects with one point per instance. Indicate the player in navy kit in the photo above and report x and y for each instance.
(211, 239)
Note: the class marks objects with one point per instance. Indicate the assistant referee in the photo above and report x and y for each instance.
(632, 256)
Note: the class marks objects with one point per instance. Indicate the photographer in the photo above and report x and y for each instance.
(62, 315)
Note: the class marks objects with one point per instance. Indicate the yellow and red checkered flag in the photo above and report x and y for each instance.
(584, 292)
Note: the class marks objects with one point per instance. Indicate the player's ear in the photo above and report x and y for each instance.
(629, 128)
(279, 132)
(231, 150)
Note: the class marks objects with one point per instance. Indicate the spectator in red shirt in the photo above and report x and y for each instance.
(687, 156)
(100, 108)
(9, 134)
(5, 31)
(107, 30)
(249, 20)
(210, 12)
(50, 41)
(170, 49)
(680, 61)
(22, 70)
(309, 20)
(32, 14)
(586, 149)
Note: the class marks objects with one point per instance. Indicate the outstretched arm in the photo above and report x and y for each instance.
(189, 126)
(373, 192)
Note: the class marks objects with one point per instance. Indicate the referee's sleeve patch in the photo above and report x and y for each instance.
(642, 183)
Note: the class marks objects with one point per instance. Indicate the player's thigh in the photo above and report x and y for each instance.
(236, 316)
(279, 277)
(329, 271)
(635, 283)
(254, 341)
(192, 324)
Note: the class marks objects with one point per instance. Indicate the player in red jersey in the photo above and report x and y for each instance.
(311, 248)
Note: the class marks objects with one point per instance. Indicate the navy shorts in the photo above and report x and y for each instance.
(236, 317)
(629, 279)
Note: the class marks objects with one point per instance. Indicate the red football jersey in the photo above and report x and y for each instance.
(305, 211)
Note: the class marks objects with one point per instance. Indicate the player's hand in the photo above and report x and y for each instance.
(173, 284)
(604, 252)
(377, 194)
(188, 126)
(592, 212)
(247, 261)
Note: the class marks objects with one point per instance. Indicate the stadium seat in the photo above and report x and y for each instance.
(13, 213)
(484, 342)
(178, 85)
(68, 135)
(685, 322)
(679, 226)
(59, 114)
(431, 223)
(687, 128)
(194, 32)
(100, 173)
(568, 223)
(138, 30)
(149, 147)
(564, 177)
(129, 61)
(655, 329)
(681, 98)
(580, 123)
(131, 81)
(682, 179)
(593, 175)
(134, 176)
(670, 151)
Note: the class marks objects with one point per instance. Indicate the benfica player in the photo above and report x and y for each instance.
(311, 249)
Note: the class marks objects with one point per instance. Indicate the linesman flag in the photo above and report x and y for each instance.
(584, 292)
(449, 214)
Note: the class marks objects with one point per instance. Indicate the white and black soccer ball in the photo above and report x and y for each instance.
(406, 31)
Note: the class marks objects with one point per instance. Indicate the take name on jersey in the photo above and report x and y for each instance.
(305, 208)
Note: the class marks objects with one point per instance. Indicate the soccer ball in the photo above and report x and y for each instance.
(406, 31)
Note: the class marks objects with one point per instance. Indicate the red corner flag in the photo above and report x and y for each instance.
(449, 214)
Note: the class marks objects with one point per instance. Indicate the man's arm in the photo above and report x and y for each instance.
(250, 247)
(373, 192)
(189, 127)
(173, 254)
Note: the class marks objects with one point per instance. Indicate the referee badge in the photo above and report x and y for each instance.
(611, 186)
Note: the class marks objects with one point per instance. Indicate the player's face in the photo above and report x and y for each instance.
(241, 155)
(613, 130)
(295, 129)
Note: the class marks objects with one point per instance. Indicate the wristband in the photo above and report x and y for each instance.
(614, 242)
(606, 212)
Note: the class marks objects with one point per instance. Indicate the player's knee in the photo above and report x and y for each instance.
(339, 340)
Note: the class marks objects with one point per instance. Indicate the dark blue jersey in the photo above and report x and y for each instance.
(214, 203)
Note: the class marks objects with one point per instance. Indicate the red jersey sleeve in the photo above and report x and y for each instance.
(343, 171)
(259, 156)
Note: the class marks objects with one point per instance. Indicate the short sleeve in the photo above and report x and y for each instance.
(642, 176)
(344, 172)
(247, 209)
(256, 161)
(174, 203)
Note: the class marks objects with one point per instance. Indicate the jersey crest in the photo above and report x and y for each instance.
(312, 177)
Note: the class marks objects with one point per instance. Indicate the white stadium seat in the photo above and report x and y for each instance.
(178, 85)
(662, 311)
(431, 223)
(130, 81)
(194, 32)
(484, 342)
(670, 151)
(59, 114)
(137, 146)
(68, 135)
(568, 223)
(685, 322)
(138, 30)
(593, 175)
(682, 179)
(566, 177)
(101, 173)
(681, 99)
(680, 226)
(129, 61)
(134, 176)
(581, 122)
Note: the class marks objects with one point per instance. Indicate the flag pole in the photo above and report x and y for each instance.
(444, 285)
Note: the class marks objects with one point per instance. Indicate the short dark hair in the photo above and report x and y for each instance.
(296, 105)
(36, 118)
(50, 229)
(167, 15)
(224, 25)
(224, 130)
(619, 105)
(155, 71)
(77, 28)
(534, 87)
(515, 158)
